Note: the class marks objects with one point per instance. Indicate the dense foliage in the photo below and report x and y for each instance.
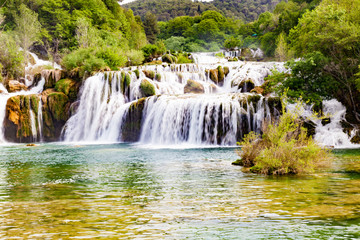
(207, 32)
(55, 29)
(247, 10)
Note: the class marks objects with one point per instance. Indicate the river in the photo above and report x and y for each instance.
(122, 191)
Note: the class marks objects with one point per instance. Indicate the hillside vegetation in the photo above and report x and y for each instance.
(246, 10)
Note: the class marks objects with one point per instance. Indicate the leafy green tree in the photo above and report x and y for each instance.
(231, 43)
(27, 28)
(282, 51)
(333, 28)
(150, 27)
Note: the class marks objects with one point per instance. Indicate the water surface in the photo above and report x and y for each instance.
(123, 191)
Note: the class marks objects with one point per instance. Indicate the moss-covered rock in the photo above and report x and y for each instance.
(69, 87)
(137, 73)
(158, 77)
(221, 74)
(147, 88)
(131, 129)
(53, 76)
(257, 90)
(214, 75)
(246, 86)
(149, 74)
(193, 87)
(169, 58)
(17, 122)
(226, 71)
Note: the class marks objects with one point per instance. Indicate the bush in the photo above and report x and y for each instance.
(284, 148)
(151, 51)
(85, 59)
(112, 56)
(136, 57)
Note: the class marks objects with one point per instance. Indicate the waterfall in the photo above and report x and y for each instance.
(200, 119)
(332, 134)
(33, 124)
(5, 95)
(101, 110)
(40, 120)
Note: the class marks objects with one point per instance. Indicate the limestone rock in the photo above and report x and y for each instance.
(147, 88)
(15, 86)
(193, 87)
(69, 87)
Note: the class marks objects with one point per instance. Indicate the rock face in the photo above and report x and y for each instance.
(14, 86)
(193, 87)
(52, 77)
(69, 87)
(147, 88)
(19, 124)
(131, 129)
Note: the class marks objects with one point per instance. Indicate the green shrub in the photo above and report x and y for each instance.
(183, 58)
(284, 148)
(113, 57)
(136, 57)
(85, 60)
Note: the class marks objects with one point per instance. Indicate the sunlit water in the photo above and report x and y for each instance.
(130, 192)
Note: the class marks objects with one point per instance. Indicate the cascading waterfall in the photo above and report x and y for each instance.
(40, 120)
(201, 119)
(331, 134)
(101, 110)
(219, 116)
(5, 95)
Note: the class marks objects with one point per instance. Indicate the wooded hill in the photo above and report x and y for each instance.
(246, 10)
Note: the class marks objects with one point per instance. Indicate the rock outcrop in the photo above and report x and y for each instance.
(193, 87)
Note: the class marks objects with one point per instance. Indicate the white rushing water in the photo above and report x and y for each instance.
(332, 134)
(215, 117)
(200, 119)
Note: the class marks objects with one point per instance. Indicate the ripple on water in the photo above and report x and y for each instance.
(121, 191)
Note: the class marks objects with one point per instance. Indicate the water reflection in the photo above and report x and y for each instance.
(120, 191)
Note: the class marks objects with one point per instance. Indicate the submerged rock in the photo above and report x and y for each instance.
(193, 87)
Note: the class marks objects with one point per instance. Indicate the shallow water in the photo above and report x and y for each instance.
(122, 191)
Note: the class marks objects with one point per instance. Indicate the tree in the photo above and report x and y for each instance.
(27, 28)
(333, 28)
(151, 28)
(281, 51)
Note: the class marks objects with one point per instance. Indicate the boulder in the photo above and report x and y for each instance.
(149, 74)
(147, 88)
(193, 87)
(15, 86)
(246, 86)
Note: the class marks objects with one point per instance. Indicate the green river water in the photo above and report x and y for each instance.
(122, 191)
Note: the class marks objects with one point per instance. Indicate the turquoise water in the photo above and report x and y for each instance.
(123, 191)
